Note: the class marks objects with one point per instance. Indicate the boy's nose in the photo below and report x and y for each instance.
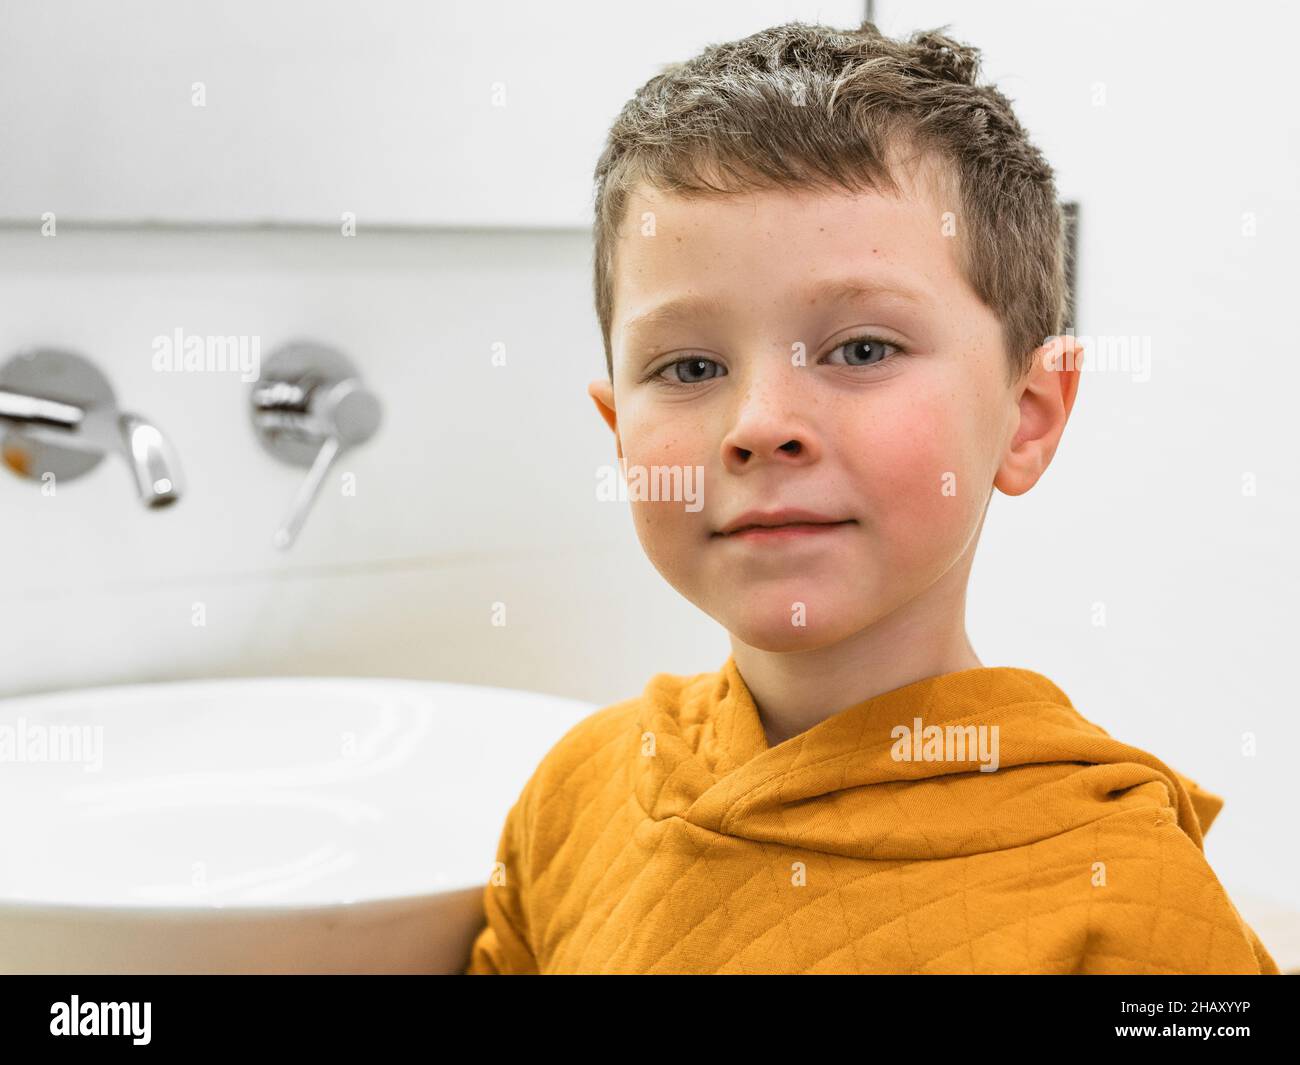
(769, 428)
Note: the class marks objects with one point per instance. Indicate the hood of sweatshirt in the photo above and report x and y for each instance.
(963, 763)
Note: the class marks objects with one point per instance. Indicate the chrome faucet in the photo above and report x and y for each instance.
(308, 408)
(60, 418)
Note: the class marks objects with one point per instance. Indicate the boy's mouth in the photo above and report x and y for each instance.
(784, 533)
(789, 520)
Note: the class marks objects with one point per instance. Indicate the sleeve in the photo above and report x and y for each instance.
(502, 946)
(1166, 912)
(515, 910)
(1267, 966)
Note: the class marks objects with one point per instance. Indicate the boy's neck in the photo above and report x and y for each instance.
(795, 690)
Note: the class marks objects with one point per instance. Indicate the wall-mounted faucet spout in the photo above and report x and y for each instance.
(152, 460)
(60, 418)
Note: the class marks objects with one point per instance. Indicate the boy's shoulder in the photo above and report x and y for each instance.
(587, 754)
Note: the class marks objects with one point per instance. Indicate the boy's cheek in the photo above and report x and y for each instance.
(903, 461)
(672, 540)
(676, 461)
(661, 438)
(918, 481)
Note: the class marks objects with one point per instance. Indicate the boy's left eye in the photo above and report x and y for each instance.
(864, 348)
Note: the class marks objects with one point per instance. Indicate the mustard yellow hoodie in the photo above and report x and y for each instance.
(663, 835)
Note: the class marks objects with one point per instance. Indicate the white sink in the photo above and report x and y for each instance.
(303, 825)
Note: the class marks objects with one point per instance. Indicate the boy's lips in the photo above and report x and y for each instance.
(788, 521)
(783, 533)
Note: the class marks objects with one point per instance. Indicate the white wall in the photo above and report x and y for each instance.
(480, 486)
(469, 112)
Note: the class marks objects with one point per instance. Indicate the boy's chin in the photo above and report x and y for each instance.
(779, 633)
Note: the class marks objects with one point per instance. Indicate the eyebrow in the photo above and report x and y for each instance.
(840, 290)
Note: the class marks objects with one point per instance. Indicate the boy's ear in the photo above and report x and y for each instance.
(601, 391)
(1046, 399)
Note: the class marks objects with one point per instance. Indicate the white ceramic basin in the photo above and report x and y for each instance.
(270, 825)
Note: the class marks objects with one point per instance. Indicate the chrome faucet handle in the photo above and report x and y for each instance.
(308, 408)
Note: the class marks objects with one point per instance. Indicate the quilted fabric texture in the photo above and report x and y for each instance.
(663, 835)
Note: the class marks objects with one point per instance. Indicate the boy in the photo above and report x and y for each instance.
(829, 275)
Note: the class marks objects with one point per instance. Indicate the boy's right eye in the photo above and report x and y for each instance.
(684, 370)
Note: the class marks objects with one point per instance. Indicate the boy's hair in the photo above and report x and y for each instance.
(804, 106)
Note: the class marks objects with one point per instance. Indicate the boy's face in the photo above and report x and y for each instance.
(897, 420)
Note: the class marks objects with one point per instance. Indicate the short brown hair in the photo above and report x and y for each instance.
(726, 122)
